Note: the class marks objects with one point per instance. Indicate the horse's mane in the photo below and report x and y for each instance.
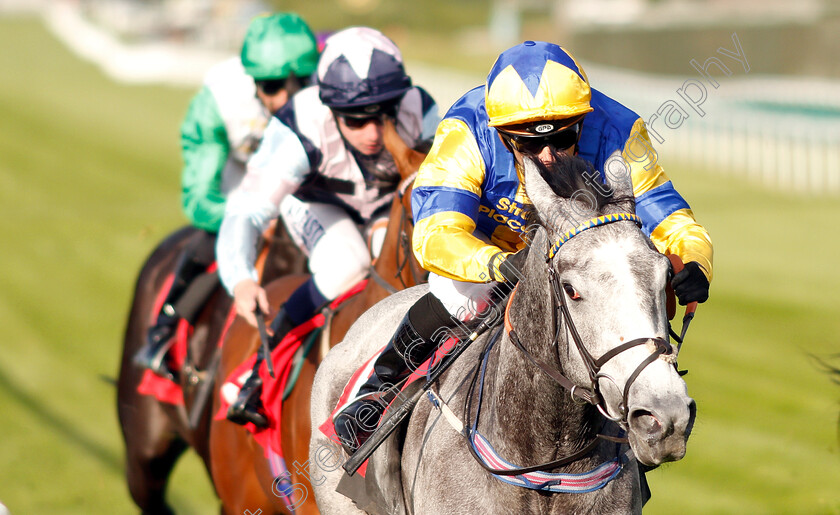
(574, 177)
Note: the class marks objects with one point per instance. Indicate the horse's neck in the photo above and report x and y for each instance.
(535, 419)
(394, 264)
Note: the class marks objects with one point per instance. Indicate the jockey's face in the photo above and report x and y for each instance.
(363, 134)
(273, 101)
(274, 93)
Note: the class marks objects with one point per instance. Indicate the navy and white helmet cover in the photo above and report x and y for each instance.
(360, 66)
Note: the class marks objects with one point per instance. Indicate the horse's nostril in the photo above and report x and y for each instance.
(644, 422)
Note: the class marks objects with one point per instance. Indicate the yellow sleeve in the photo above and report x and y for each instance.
(680, 234)
(445, 203)
(666, 216)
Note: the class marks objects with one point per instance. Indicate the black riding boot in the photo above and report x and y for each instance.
(414, 341)
(159, 337)
(247, 407)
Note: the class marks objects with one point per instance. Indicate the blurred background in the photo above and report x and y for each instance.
(744, 98)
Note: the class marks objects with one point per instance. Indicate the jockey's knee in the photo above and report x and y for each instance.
(202, 249)
(340, 258)
(376, 232)
(464, 301)
(344, 269)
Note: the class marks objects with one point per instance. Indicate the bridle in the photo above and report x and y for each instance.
(403, 250)
(591, 395)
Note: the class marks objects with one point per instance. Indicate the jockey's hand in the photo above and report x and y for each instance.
(247, 294)
(690, 284)
(509, 265)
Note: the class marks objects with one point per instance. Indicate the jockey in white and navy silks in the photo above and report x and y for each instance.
(323, 168)
(221, 130)
(469, 202)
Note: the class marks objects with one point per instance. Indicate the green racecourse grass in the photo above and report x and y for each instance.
(89, 182)
(89, 174)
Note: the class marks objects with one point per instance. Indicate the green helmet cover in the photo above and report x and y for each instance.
(277, 45)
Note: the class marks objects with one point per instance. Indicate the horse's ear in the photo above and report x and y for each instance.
(407, 159)
(617, 173)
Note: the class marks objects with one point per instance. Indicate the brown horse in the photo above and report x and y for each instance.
(241, 473)
(156, 433)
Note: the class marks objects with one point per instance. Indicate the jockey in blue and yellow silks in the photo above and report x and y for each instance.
(469, 181)
(469, 202)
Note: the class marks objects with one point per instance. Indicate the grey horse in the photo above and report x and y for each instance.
(589, 309)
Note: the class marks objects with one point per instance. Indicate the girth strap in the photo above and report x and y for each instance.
(473, 437)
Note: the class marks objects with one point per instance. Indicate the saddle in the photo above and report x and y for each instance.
(189, 306)
(405, 390)
(287, 358)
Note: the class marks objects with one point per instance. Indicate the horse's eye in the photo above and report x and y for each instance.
(571, 292)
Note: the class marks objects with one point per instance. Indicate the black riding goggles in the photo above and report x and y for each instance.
(359, 122)
(374, 113)
(273, 86)
(533, 143)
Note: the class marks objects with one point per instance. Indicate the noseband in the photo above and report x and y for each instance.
(591, 395)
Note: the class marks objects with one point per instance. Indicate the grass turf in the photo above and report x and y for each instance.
(89, 174)
(766, 434)
(89, 182)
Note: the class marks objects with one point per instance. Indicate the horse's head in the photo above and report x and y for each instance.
(605, 283)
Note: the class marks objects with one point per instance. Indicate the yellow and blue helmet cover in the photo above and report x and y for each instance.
(535, 81)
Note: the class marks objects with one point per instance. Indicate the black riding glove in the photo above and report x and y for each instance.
(510, 266)
(690, 284)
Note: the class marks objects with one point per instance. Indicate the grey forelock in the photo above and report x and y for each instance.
(569, 192)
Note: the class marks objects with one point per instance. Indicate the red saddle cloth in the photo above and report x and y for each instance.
(152, 384)
(162, 388)
(361, 375)
(282, 358)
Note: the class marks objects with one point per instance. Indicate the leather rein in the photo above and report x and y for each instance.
(404, 244)
(591, 395)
